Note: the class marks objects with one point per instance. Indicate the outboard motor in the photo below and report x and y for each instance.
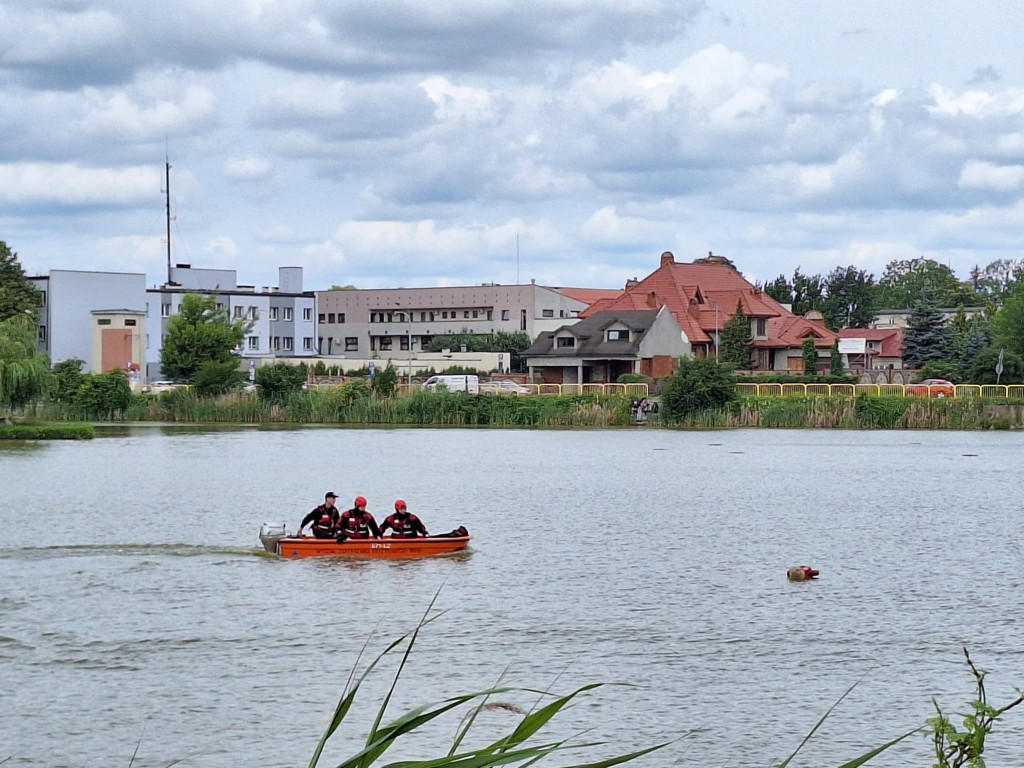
(271, 535)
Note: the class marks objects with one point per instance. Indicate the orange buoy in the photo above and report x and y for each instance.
(801, 573)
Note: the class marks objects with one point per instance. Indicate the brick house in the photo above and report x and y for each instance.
(703, 295)
(606, 345)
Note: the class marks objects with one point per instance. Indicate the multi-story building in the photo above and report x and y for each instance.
(97, 317)
(369, 323)
(111, 320)
(282, 318)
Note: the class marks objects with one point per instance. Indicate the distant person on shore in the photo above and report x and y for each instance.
(324, 519)
(403, 524)
(357, 523)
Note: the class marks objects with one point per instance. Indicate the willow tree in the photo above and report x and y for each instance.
(24, 371)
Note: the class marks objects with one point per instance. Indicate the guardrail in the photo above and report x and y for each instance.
(881, 390)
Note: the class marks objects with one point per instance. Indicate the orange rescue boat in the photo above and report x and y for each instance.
(277, 542)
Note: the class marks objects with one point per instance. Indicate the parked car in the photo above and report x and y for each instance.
(932, 388)
(467, 383)
(503, 387)
(155, 387)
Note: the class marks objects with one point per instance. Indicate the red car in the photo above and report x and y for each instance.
(932, 388)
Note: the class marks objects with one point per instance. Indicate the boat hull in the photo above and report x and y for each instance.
(386, 548)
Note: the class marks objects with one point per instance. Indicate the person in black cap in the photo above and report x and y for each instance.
(324, 519)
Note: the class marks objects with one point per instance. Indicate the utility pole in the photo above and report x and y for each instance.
(167, 192)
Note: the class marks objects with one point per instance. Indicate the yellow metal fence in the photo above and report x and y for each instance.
(881, 390)
(625, 390)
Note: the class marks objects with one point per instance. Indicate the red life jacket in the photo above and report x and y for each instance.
(404, 526)
(323, 527)
(355, 524)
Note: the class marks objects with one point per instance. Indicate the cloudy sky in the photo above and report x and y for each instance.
(387, 143)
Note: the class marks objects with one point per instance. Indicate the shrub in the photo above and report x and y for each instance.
(274, 382)
(213, 378)
(699, 384)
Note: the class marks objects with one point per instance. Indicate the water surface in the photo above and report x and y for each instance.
(137, 608)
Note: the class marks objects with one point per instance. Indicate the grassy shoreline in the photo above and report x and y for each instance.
(546, 411)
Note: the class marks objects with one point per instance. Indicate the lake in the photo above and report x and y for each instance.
(139, 610)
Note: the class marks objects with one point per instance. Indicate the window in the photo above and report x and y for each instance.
(476, 314)
(385, 343)
(465, 314)
(376, 317)
(307, 315)
(254, 313)
(103, 321)
(238, 313)
(490, 314)
(254, 342)
(504, 314)
(403, 343)
(618, 335)
(330, 317)
(288, 343)
(761, 326)
(307, 343)
(220, 305)
(288, 314)
(129, 322)
(41, 334)
(165, 310)
(322, 318)
(522, 319)
(565, 341)
(423, 317)
(41, 301)
(548, 313)
(341, 317)
(351, 343)
(273, 313)
(444, 315)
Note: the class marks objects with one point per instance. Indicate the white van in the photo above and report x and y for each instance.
(469, 383)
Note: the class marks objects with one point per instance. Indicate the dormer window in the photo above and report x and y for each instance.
(618, 335)
(760, 326)
(565, 341)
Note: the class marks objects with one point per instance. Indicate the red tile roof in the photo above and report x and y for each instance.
(589, 295)
(703, 296)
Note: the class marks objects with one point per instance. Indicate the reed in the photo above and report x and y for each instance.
(76, 431)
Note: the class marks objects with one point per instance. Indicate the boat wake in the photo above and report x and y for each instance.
(120, 549)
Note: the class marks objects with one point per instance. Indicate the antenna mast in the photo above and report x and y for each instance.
(167, 191)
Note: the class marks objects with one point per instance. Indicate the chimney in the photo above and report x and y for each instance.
(631, 283)
(652, 297)
(667, 258)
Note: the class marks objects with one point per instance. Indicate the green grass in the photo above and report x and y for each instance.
(28, 431)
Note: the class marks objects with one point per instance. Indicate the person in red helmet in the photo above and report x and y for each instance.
(357, 523)
(403, 524)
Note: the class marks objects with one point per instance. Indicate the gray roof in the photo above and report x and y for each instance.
(590, 336)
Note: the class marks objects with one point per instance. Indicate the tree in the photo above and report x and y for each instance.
(200, 333)
(1008, 324)
(17, 295)
(779, 289)
(850, 299)
(997, 280)
(274, 382)
(213, 378)
(928, 336)
(385, 381)
(24, 371)
(698, 384)
(908, 281)
(969, 344)
(737, 341)
(983, 369)
(835, 361)
(810, 356)
(67, 378)
(808, 292)
(103, 395)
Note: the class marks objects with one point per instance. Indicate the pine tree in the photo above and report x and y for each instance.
(737, 341)
(810, 355)
(928, 336)
(17, 295)
(835, 361)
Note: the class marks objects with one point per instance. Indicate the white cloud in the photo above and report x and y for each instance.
(977, 174)
(458, 103)
(249, 168)
(68, 184)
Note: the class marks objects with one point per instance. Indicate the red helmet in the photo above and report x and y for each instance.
(400, 504)
(360, 501)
